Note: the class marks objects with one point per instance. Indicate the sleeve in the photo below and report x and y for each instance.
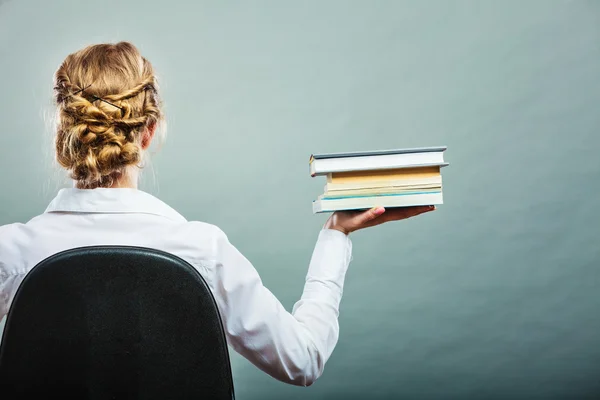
(8, 287)
(10, 278)
(291, 347)
(5, 291)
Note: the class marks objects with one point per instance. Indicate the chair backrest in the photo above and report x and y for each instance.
(113, 322)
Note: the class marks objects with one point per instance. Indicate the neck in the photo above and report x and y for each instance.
(127, 180)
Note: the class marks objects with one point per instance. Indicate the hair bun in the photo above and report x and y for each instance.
(99, 127)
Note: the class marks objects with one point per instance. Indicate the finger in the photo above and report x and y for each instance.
(398, 213)
(395, 214)
(407, 212)
(368, 215)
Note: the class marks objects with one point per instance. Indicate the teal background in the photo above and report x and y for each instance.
(493, 296)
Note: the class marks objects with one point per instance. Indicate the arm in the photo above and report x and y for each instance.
(8, 287)
(291, 347)
(10, 274)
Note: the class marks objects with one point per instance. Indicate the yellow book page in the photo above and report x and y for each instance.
(383, 175)
(384, 190)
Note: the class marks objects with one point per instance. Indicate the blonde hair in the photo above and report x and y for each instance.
(106, 97)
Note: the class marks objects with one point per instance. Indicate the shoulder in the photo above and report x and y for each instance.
(204, 230)
(18, 234)
(10, 232)
(11, 238)
(209, 234)
(203, 240)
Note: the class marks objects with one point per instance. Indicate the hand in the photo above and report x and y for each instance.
(350, 221)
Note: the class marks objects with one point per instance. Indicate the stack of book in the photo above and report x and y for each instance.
(385, 178)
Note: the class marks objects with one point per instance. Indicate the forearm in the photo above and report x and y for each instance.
(291, 347)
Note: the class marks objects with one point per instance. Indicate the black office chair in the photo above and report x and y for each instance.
(112, 322)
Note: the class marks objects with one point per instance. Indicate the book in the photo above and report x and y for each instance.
(386, 178)
(322, 164)
(366, 202)
(381, 190)
(386, 174)
(383, 178)
(375, 184)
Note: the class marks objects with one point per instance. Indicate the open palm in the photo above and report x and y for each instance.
(350, 221)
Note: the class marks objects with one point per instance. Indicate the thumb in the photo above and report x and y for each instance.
(369, 215)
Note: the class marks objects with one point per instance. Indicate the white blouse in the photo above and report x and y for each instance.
(291, 347)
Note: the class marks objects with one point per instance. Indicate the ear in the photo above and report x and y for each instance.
(148, 135)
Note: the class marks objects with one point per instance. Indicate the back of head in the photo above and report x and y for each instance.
(107, 102)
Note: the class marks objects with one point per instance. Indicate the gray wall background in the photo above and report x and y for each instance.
(493, 296)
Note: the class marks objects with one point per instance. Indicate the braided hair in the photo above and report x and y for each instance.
(106, 97)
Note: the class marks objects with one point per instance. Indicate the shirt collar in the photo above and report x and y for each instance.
(111, 200)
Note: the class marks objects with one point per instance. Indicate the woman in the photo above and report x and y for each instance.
(108, 109)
